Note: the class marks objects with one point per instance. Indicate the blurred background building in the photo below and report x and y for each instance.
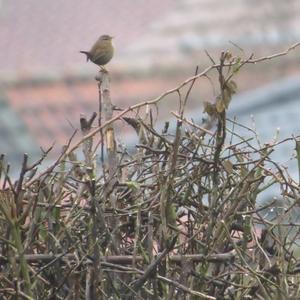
(45, 83)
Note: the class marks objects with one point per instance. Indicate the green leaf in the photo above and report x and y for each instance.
(220, 105)
(236, 67)
(209, 108)
(133, 185)
(43, 232)
(298, 155)
(228, 166)
(232, 86)
(171, 214)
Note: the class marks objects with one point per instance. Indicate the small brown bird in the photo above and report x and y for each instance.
(102, 51)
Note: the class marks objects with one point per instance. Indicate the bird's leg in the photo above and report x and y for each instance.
(103, 69)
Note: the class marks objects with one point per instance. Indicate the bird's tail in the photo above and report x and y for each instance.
(87, 54)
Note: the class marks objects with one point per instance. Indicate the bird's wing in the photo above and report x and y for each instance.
(98, 55)
(98, 47)
(101, 51)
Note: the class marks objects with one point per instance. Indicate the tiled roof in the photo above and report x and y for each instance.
(40, 113)
(50, 111)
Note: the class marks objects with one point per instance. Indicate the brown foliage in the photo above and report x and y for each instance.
(176, 219)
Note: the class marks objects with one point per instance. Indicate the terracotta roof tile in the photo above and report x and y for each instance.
(51, 110)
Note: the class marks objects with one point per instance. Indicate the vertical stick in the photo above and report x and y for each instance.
(109, 143)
